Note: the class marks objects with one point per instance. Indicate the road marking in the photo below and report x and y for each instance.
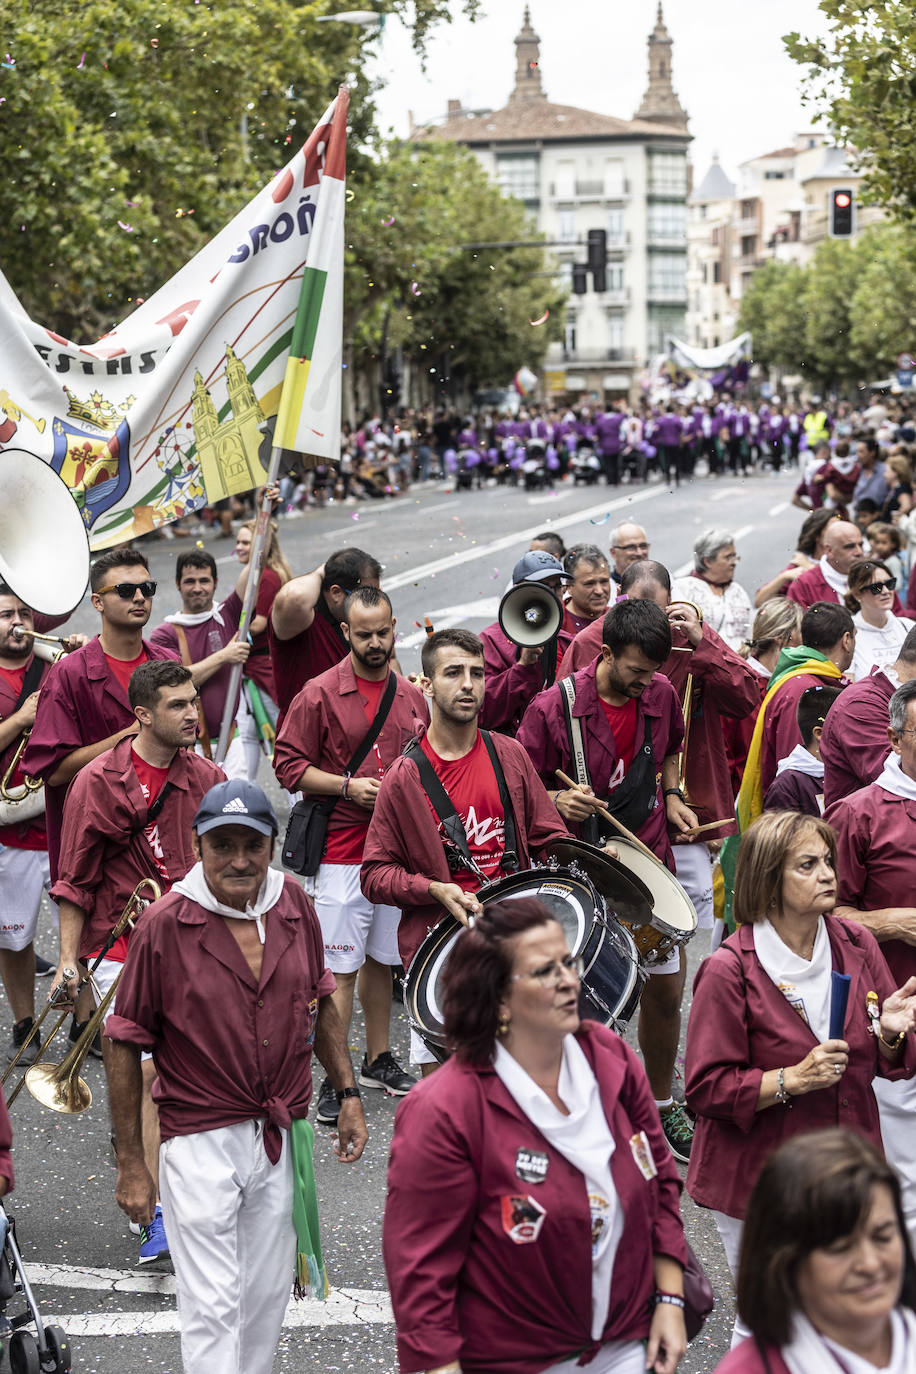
(343, 1307)
(440, 505)
(723, 492)
(508, 541)
(484, 608)
(550, 496)
(347, 529)
(778, 508)
(744, 530)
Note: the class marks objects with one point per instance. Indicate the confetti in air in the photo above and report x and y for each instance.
(543, 320)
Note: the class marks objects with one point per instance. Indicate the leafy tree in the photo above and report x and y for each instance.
(863, 74)
(134, 130)
(830, 281)
(772, 309)
(883, 305)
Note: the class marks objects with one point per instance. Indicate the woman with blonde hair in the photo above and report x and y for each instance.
(777, 626)
(870, 599)
(258, 668)
(764, 1061)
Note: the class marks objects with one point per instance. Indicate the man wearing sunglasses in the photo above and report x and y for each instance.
(83, 708)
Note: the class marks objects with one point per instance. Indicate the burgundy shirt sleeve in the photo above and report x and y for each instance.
(509, 685)
(852, 853)
(298, 741)
(57, 729)
(83, 845)
(536, 735)
(725, 676)
(720, 1081)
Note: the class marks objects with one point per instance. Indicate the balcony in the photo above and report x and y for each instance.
(615, 299)
(748, 224)
(667, 295)
(597, 190)
(599, 356)
(667, 238)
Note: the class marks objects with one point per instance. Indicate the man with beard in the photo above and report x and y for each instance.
(321, 734)
(502, 817)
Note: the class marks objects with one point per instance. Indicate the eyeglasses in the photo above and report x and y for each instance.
(876, 588)
(632, 548)
(128, 590)
(552, 975)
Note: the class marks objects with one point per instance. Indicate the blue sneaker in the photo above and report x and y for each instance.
(154, 1247)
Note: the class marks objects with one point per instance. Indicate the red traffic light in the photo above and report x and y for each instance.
(842, 199)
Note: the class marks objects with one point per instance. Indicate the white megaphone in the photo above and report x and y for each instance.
(530, 614)
(44, 544)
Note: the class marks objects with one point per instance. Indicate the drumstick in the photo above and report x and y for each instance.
(603, 811)
(710, 825)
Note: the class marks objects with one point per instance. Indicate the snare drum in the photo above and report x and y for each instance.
(612, 978)
(674, 919)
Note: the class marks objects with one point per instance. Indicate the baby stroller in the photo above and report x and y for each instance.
(46, 1352)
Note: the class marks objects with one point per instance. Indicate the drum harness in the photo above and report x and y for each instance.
(454, 837)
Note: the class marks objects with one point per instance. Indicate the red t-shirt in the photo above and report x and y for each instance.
(345, 845)
(16, 836)
(152, 781)
(622, 720)
(471, 784)
(121, 670)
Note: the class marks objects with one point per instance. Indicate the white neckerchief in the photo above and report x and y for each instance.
(187, 619)
(844, 466)
(802, 761)
(194, 886)
(758, 667)
(805, 984)
(584, 1138)
(833, 579)
(808, 1352)
(894, 780)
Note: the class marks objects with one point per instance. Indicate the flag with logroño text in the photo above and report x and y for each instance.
(180, 405)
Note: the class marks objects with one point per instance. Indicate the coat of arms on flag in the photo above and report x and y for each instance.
(93, 458)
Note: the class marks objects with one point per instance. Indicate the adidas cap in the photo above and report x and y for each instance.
(236, 802)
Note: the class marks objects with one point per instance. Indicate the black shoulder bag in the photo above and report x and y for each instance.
(307, 830)
(454, 836)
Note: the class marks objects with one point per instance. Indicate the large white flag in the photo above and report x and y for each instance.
(176, 408)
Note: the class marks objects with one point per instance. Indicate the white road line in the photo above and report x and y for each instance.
(347, 529)
(484, 608)
(440, 505)
(343, 1307)
(518, 537)
(744, 530)
(550, 496)
(721, 493)
(778, 508)
(684, 569)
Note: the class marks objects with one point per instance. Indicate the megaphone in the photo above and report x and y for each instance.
(530, 614)
(44, 544)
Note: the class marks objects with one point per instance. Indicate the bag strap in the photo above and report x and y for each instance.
(185, 655)
(362, 751)
(31, 680)
(442, 804)
(574, 733)
(510, 840)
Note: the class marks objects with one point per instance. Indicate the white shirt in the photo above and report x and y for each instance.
(805, 983)
(731, 615)
(874, 646)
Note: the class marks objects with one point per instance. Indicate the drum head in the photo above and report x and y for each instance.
(671, 904)
(421, 982)
(623, 888)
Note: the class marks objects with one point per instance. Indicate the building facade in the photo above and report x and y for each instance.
(577, 171)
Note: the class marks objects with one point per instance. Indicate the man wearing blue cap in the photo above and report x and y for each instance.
(514, 674)
(226, 986)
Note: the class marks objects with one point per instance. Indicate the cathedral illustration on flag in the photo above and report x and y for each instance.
(228, 444)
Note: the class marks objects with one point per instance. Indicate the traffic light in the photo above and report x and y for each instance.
(579, 279)
(841, 213)
(599, 280)
(597, 250)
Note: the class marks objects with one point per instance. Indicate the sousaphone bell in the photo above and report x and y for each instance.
(44, 545)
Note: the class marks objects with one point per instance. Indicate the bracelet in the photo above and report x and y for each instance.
(346, 786)
(674, 792)
(347, 1092)
(673, 1299)
(891, 1044)
(782, 1092)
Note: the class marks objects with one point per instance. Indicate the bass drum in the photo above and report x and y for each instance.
(612, 978)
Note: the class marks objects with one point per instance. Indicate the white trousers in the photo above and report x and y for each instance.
(229, 1220)
(897, 1112)
(616, 1357)
(693, 867)
(730, 1232)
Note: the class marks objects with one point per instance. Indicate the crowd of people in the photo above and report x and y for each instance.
(757, 745)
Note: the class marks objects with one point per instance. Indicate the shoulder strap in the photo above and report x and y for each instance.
(31, 680)
(574, 733)
(510, 841)
(442, 803)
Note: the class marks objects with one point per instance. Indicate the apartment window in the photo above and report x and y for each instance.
(667, 221)
(615, 334)
(566, 180)
(667, 272)
(566, 226)
(519, 176)
(668, 173)
(717, 271)
(614, 181)
(774, 176)
(661, 323)
(614, 276)
(569, 336)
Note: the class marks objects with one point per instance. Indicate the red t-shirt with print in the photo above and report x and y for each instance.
(471, 784)
(622, 720)
(345, 845)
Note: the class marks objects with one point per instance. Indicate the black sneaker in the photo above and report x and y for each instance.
(385, 1072)
(43, 967)
(76, 1030)
(678, 1131)
(20, 1031)
(328, 1110)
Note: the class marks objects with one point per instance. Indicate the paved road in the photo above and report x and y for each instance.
(448, 556)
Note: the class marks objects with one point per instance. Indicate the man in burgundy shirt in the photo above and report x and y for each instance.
(321, 732)
(876, 840)
(589, 589)
(205, 638)
(826, 581)
(632, 733)
(226, 986)
(404, 859)
(515, 674)
(854, 742)
(305, 620)
(109, 844)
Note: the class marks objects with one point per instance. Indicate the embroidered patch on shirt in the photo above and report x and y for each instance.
(790, 993)
(642, 1153)
(599, 1207)
(522, 1219)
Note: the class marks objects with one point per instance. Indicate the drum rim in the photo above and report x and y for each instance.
(666, 879)
(591, 852)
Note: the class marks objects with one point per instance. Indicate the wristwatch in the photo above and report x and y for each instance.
(347, 1092)
(675, 792)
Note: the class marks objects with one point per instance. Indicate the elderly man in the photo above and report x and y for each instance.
(854, 743)
(876, 836)
(629, 544)
(226, 986)
(589, 588)
(826, 581)
(516, 674)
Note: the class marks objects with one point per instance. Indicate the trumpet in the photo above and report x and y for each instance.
(59, 1086)
(19, 632)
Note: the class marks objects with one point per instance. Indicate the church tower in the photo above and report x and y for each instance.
(241, 392)
(660, 104)
(527, 64)
(203, 413)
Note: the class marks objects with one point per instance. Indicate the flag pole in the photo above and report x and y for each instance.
(255, 568)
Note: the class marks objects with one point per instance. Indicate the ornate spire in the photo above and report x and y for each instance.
(660, 103)
(527, 63)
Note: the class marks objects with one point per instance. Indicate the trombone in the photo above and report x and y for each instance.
(20, 633)
(59, 1086)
